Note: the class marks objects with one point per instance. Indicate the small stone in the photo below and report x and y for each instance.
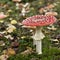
(13, 22)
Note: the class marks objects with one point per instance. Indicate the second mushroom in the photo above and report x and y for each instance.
(39, 21)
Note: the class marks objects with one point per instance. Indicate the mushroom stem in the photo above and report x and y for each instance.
(39, 46)
(38, 40)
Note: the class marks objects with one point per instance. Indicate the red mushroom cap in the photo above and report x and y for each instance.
(39, 20)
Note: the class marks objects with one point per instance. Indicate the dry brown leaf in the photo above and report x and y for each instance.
(11, 51)
(28, 51)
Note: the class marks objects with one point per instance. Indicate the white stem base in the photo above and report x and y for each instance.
(39, 46)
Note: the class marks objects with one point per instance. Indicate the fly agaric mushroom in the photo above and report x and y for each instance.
(2, 15)
(16, 0)
(39, 21)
